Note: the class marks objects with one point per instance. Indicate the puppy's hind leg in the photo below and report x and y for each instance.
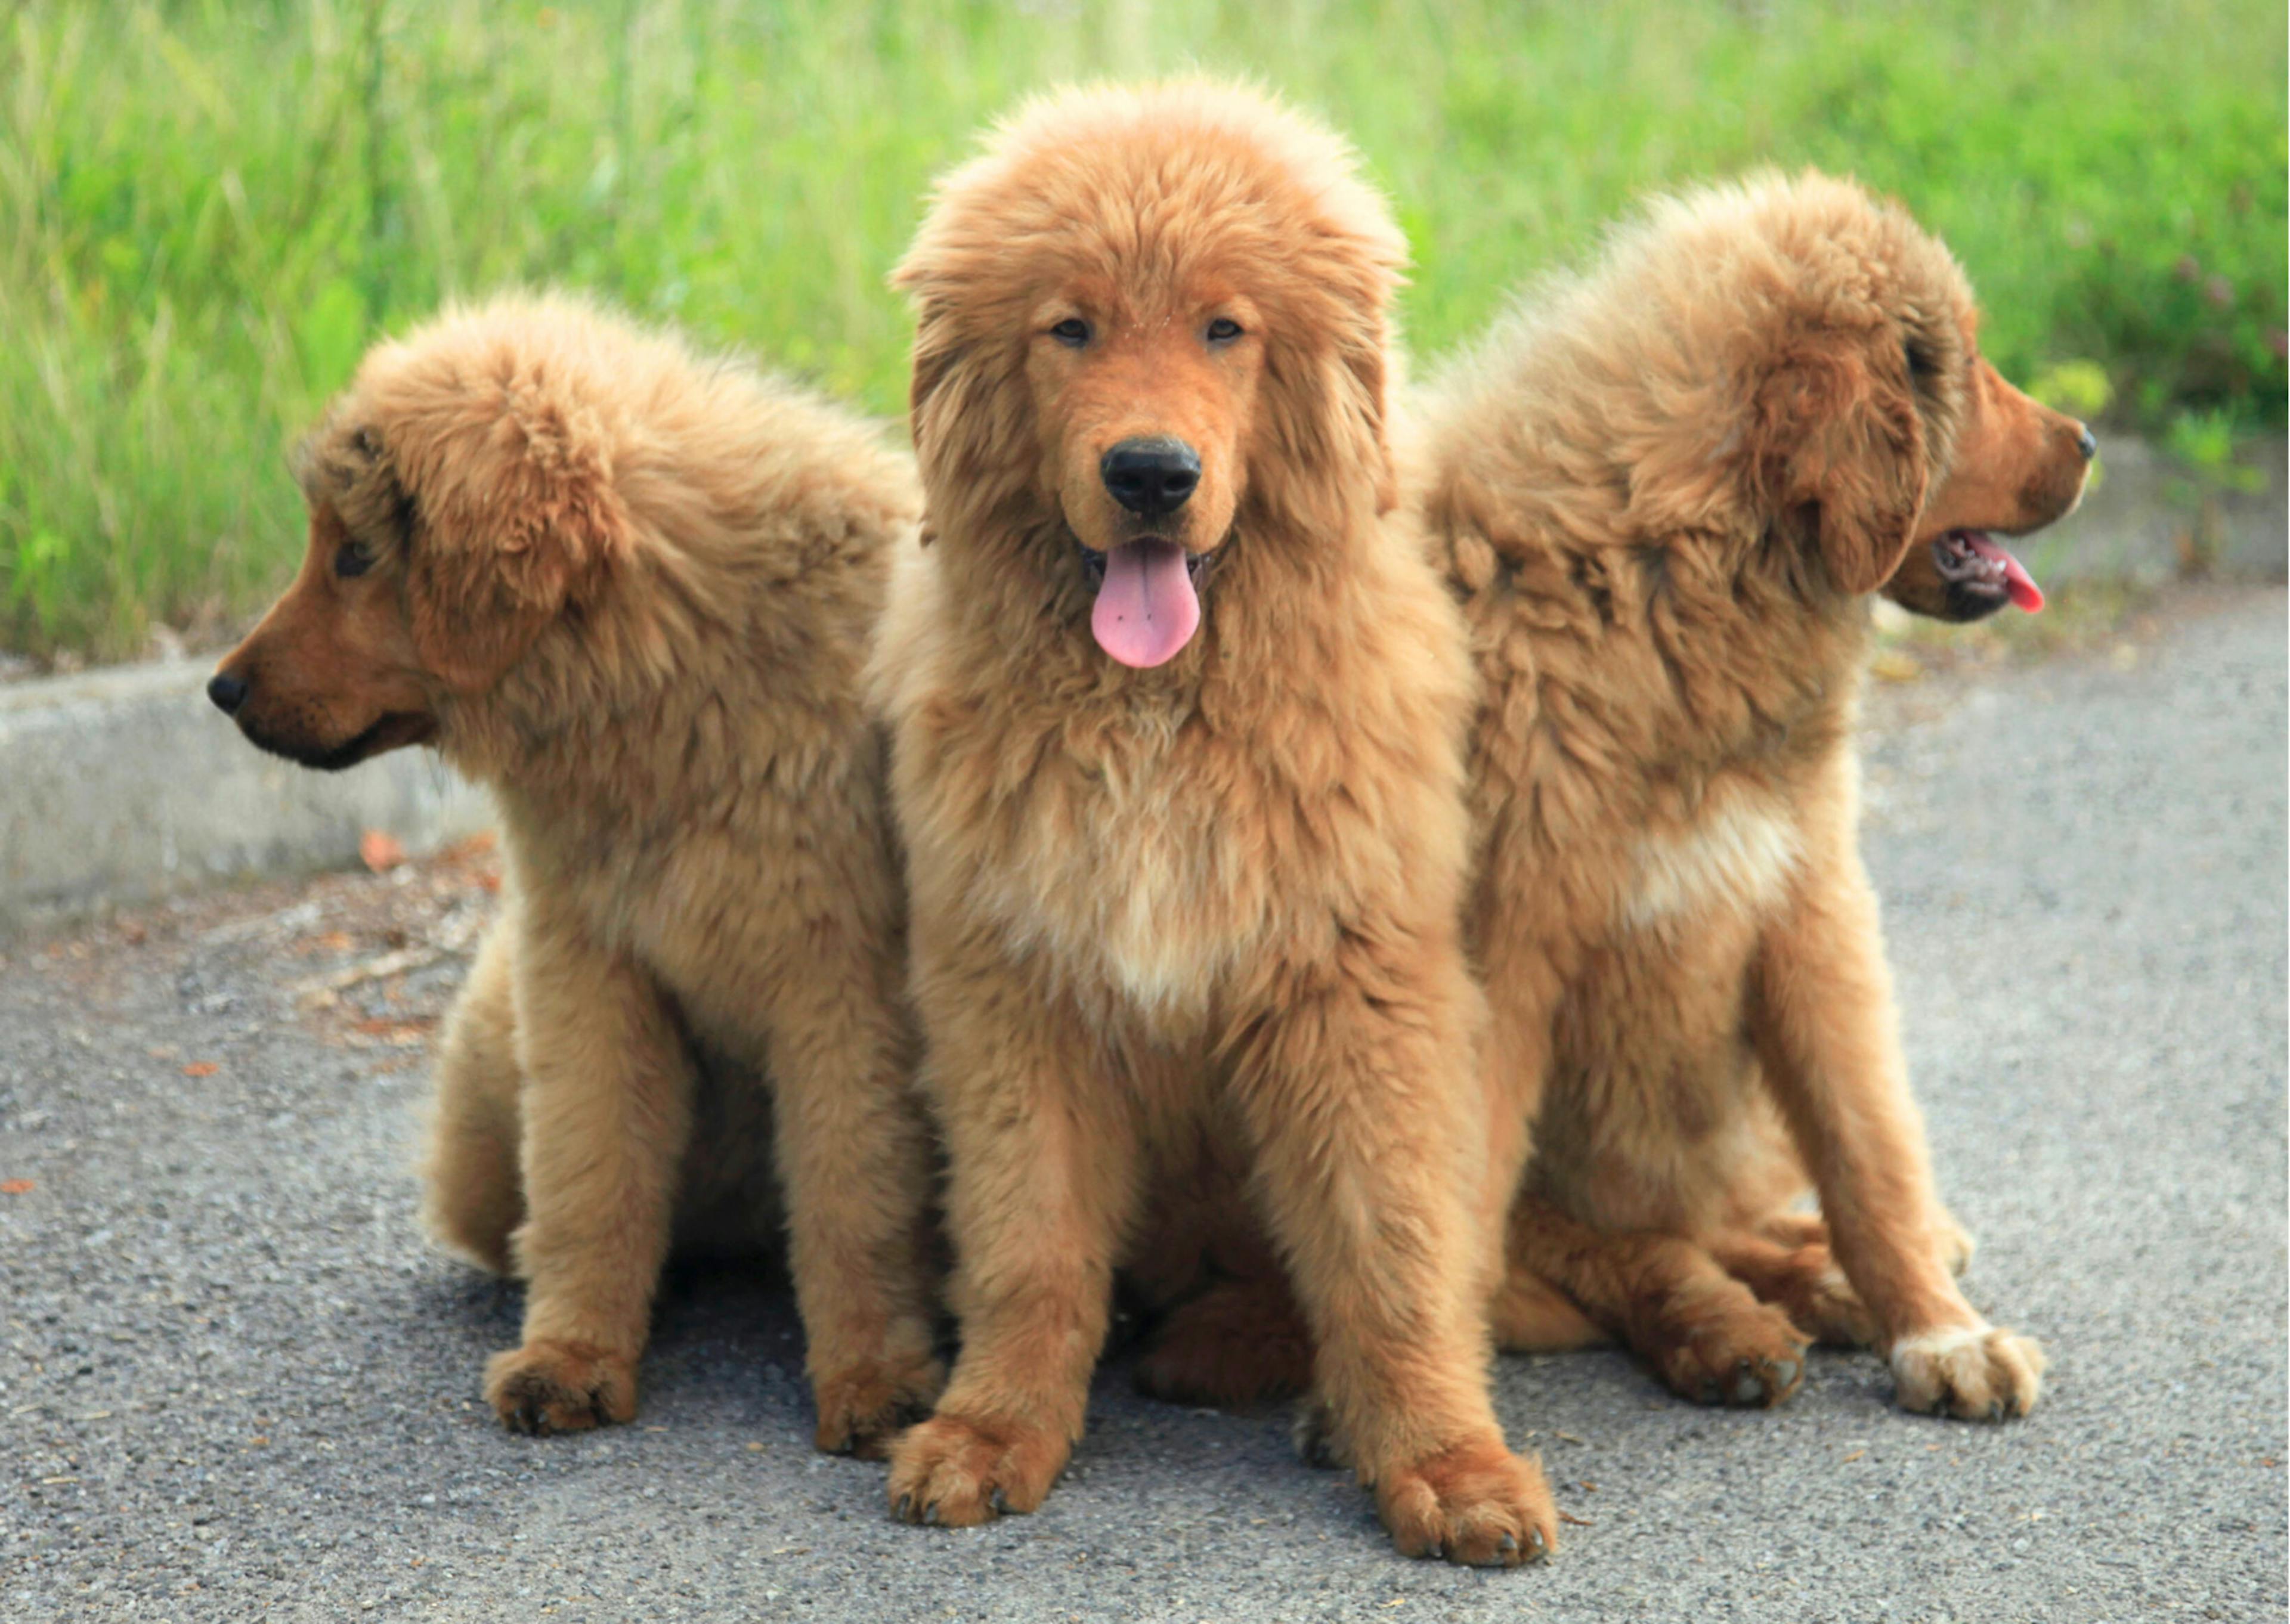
(1238, 1343)
(1705, 1333)
(1795, 1229)
(1803, 1282)
(471, 1196)
(1531, 1316)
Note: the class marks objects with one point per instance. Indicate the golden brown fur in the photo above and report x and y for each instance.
(630, 591)
(1667, 494)
(1207, 910)
(1663, 493)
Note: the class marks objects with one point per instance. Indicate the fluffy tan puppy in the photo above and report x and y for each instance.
(629, 591)
(1667, 493)
(1664, 492)
(1178, 711)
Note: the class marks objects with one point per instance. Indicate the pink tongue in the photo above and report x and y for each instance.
(2025, 593)
(1146, 610)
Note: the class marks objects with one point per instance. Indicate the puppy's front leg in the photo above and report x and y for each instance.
(1358, 1088)
(1828, 1037)
(607, 1114)
(1042, 1176)
(853, 1158)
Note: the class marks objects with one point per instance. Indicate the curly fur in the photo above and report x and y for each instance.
(1662, 491)
(1666, 494)
(1209, 908)
(630, 590)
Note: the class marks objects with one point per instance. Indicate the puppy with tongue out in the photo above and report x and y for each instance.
(1187, 863)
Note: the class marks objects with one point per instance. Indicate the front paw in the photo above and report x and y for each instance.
(560, 1387)
(1975, 1372)
(1475, 1503)
(954, 1473)
(865, 1404)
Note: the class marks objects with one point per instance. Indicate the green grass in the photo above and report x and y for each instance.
(207, 211)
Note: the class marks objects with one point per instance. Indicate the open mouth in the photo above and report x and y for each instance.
(1149, 603)
(1971, 560)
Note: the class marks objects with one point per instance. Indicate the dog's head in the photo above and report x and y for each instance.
(1881, 436)
(1150, 322)
(461, 499)
(2019, 466)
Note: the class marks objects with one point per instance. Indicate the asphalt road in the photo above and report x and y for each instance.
(234, 1384)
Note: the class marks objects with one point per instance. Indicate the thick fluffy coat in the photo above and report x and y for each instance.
(1192, 887)
(1665, 493)
(630, 592)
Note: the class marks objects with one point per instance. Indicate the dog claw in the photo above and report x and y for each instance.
(1507, 1545)
(930, 1515)
(999, 1501)
(904, 1509)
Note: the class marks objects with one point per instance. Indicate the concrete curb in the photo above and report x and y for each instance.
(122, 786)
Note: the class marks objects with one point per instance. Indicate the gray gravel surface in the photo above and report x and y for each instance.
(233, 1383)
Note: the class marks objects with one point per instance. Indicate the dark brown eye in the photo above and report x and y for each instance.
(1921, 363)
(1073, 333)
(1224, 330)
(353, 558)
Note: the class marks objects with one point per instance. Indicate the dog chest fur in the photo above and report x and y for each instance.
(1155, 845)
(1116, 865)
(1736, 856)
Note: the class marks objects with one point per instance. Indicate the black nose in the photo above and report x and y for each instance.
(2087, 442)
(228, 692)
(1150, 478)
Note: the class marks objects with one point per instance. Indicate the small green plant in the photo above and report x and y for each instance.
(2202, 443)
(2203, 440)
(2080, 389)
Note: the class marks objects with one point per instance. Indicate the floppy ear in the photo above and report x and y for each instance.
(932, 362)
(1327, 394)
(1364, 357)
(920, 277)
(974, 432)
(522, 522)
(1839, 442)
(936, 355)
(935, 359)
